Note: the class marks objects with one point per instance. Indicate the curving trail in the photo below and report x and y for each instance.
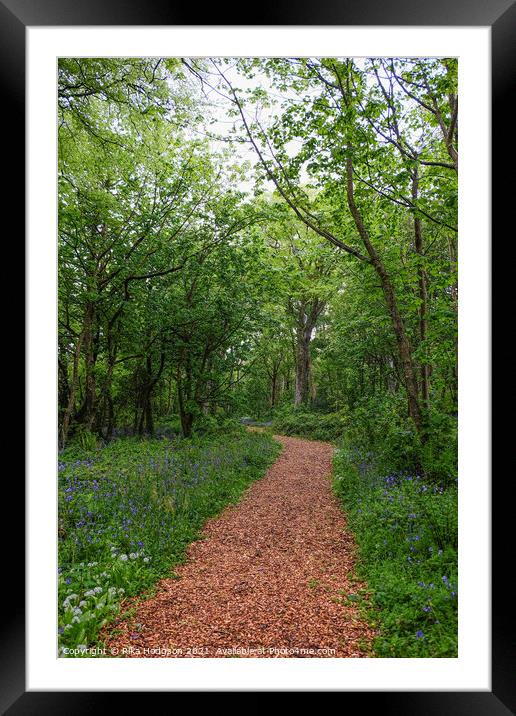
(266, 580)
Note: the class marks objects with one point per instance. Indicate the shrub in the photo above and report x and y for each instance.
(84, 438)
(215, 425)
(316, 426)
(380, 425)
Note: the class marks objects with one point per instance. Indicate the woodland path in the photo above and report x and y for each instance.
(267, 579)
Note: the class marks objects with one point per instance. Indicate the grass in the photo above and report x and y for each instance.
(128, 511)
(406, 533)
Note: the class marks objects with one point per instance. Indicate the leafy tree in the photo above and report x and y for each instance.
(373, 141)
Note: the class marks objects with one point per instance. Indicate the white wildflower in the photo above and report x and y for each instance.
(146, 559)
(97, 590)
(75, 620)
(123, 557)
(133, 555)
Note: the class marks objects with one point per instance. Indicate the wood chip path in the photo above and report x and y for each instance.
(267, 579)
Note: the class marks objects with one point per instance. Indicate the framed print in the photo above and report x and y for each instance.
(38, 39)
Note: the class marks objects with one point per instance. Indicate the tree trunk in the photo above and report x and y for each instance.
(149, 417)
(185, 415)
(184, 399)
(303, 365)
(88, 409)
(402, 341)
(307, 317)
(274, 387)
(423, 294)
(63, 384)
(68, 413)
(141, 415)
(146, 423)
(110, 417)
(170, 397)
(187, 420)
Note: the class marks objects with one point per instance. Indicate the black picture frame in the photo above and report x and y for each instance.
(500, 16)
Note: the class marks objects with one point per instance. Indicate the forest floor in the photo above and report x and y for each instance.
(271, 576)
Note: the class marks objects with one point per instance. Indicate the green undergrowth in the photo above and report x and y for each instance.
(327, 427)
(128, 511)
(406, 532)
